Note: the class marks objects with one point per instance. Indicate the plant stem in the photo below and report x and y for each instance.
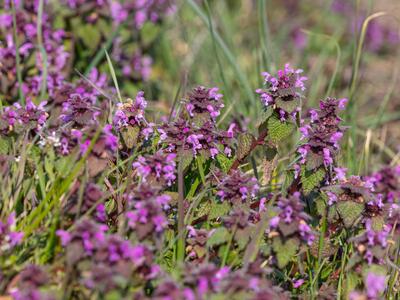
(42, 51)
(228, 247)
(341, 276)
(181, 216)
(254, 144)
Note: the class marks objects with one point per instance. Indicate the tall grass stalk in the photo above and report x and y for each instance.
(241, 77)
(17, 57)
(42, 50)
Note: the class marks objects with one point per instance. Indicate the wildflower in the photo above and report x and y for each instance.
(197, 243)
(160, 167)
(9, 237)
(78, 204)
(322, 136)
(298, 283)
(109, 257)
(283, 92)
(146, 211)
(30, 281)
(237, 187)
(204, 101)
(291, 219)
(375, 284)
(183, 136)
(372, 243)
(17, 118)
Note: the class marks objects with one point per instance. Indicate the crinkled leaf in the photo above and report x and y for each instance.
(278, 130)
(203, 209)
(200, 119)
(200, 251)
(310, 180)
(242, 236)
(218, 210)
(332, 214)
(314, 161)
(285, 251)
(245, 141)
(288, 106)
(89, 35)
(4, 145)
(377, 223)
(185, 158)
(220, 236)
(130, 136)
(352, 280)
(224, 163)
(320, 205)
(328, 248)
(349, 211)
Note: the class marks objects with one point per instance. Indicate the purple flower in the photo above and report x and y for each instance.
(292, 219)
(80, 110)
(182, 136)
(327, 157)
(237, 187)
(131, 113)
(298, 283)
(375, 284)
(111, 140)
(204, 101)
(65, 237)
(159, 166)
(322, 135)
(274, 221)
(279, 91)
(332, 198)
(9, 237)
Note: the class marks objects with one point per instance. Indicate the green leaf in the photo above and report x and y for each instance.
(352, 280)
(200, 119)
(221, 235)
(199, 161)
(288, 106)
(186, 158)
(285, 251)
(320, 204)
(278, 130)
(377, 223)
(224, 163)
(245, 142)
(314, 161)
(4, 145)
(219, 209)
(203, 209)
(242, 236)
(130, 136)
(263, 126)
(310, 180)
(349, 211)
(89, 35)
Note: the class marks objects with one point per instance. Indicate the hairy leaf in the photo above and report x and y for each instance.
(224, 162)
(218, 210)
(130, 136)
(278, 130)
(220, 236)
(288, 106)
(349, 211)
(4, 145)
(285, 251)
(245, 141)
(310, 180)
